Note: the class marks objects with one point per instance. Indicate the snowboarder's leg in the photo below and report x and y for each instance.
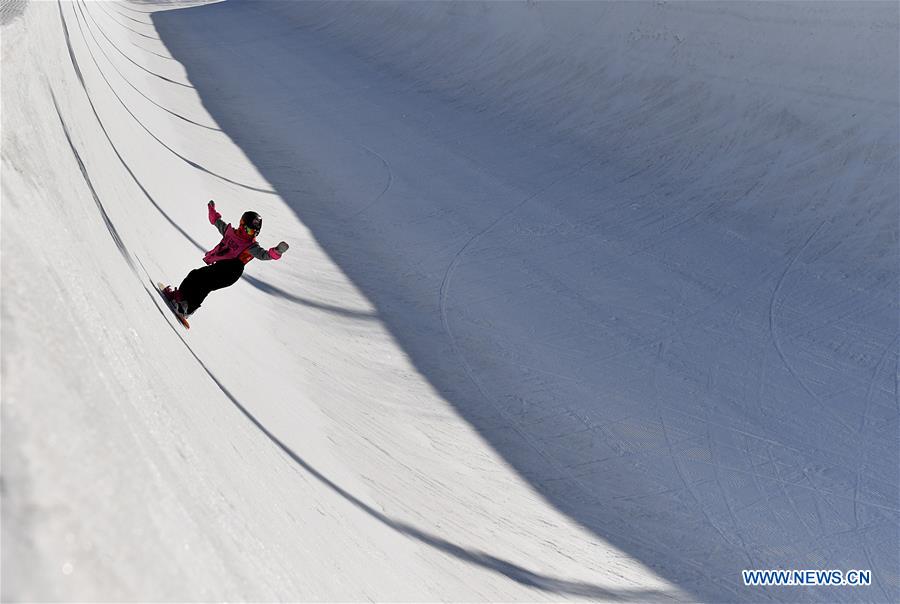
(199, 282)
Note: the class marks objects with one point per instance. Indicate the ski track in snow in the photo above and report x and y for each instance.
(127, 81)
(387, 184)
(188, 161)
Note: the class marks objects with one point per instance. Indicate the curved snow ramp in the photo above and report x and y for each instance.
(584, 300)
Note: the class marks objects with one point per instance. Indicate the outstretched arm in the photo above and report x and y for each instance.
(273, 253)
(215, 218)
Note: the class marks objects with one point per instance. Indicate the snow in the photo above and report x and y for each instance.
(583, 301)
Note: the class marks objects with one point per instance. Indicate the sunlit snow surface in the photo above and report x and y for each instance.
(583, 301)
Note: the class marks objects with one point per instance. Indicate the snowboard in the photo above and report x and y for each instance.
(181, 318)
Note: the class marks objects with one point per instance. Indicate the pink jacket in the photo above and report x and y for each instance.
(235, 244)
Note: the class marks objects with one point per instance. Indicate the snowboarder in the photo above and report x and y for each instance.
(225, 262)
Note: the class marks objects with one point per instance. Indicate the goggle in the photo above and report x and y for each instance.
(250, 231)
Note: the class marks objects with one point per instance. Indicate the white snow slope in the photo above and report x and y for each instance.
(583, 300)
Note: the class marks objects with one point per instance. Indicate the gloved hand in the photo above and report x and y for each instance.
(276, 252)
(213, 215)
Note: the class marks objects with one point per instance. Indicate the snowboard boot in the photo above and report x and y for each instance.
(174, 296)
(182, 308)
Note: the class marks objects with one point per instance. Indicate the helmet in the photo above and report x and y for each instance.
(251, 223)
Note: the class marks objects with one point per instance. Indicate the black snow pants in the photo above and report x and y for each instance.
(200, 281)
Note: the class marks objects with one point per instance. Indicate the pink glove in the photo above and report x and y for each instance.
(213, 215)
(276, 252)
